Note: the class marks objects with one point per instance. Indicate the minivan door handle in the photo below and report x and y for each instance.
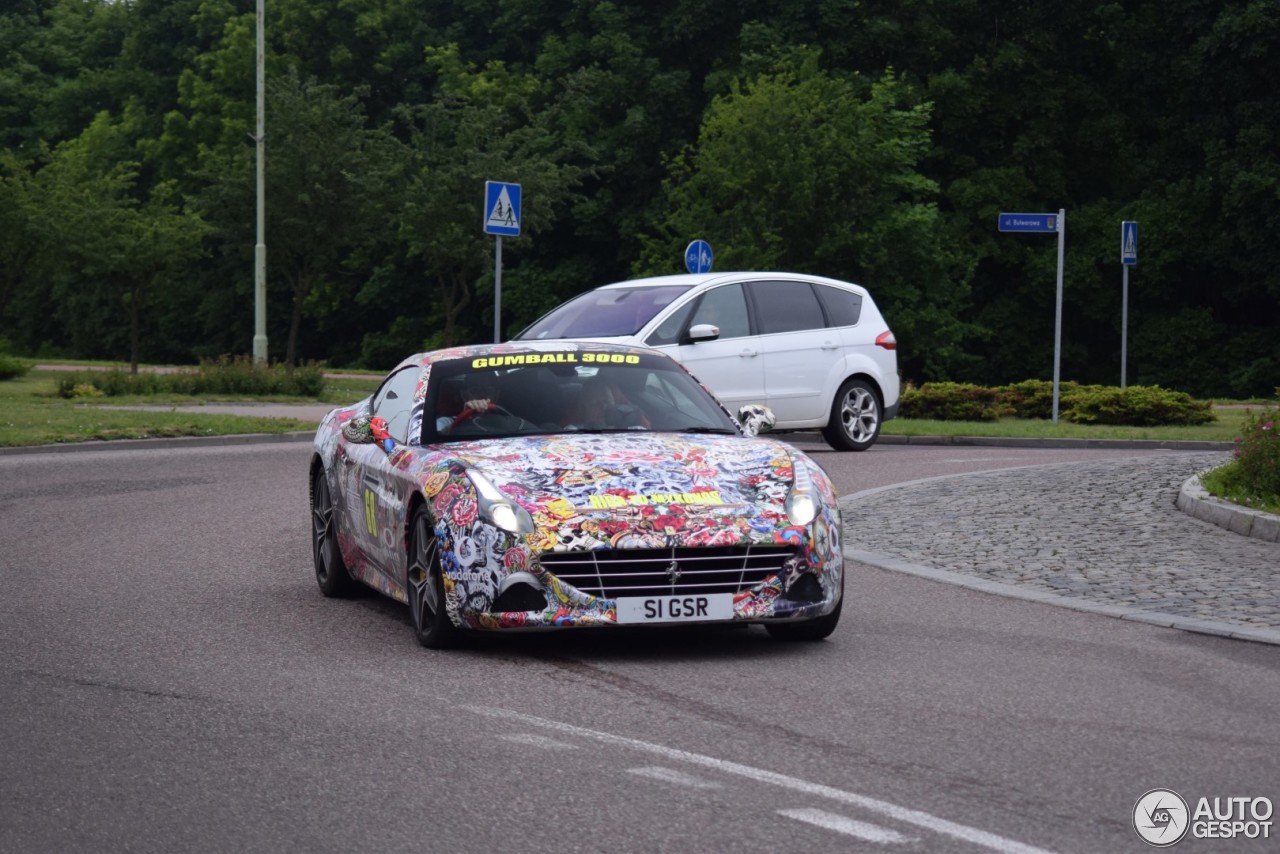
(749, 354)
(827, 345)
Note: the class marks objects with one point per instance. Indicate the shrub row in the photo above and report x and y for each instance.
(12, 367)
(223, 376)
(1257, 454)
(1139, 406)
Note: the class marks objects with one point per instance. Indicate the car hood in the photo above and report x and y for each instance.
(642, 489)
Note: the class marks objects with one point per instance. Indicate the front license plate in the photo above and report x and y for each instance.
(675, 609)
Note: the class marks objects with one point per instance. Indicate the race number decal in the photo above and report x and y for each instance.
(370, 517)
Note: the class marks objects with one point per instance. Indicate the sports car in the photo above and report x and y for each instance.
(543, 486)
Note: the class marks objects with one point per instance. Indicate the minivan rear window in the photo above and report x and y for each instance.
(604, 312)
(786, 307)
(843, 307)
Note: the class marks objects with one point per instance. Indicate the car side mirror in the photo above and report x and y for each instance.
(703, 332)
(756, 418)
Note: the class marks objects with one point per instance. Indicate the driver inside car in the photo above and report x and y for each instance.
(482, 397)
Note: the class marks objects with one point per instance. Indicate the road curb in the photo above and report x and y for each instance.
(1123, 612)
(1018, 442)
(1194, 500)
(153, 444)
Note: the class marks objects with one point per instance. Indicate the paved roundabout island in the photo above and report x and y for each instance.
(1104, 536)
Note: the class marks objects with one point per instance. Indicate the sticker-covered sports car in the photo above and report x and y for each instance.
(575, 484)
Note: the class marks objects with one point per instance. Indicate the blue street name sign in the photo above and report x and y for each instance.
(501, 209)
(1128, 242)
(1028, 222)
(697, 257)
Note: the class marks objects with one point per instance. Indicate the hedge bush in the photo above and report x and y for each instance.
(951, 402)
(12, 368)
(1138, 406)
(239, 376)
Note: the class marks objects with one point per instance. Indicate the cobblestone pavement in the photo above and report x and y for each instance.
(1102, 536)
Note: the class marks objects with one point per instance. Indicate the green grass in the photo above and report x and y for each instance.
(1225, 429)
(1217, 484)
(32, 414)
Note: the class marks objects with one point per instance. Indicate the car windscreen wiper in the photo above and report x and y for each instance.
(718, 430)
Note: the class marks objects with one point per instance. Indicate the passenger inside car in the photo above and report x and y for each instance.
(601, 404)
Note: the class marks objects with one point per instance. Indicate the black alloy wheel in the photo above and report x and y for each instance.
(431, 625)
(331, 570)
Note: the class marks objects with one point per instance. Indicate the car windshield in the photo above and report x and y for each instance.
(604, 312)
(566, 391)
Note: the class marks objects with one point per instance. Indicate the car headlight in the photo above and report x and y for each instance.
(497, 508)
(802, 500)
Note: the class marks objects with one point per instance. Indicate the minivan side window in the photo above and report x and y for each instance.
(668, 331)
(786, 307)
(843, 307)
(725, 307)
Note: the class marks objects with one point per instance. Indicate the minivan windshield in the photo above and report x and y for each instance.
(603, 313)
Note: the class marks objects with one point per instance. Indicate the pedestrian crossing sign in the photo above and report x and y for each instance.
(501, 208)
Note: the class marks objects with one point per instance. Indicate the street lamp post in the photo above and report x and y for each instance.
(260, 248)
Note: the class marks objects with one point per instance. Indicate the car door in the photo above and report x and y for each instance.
(798, 353)
(372, 494)
(728, 365)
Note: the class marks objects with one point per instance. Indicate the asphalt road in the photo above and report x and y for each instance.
(171, 680)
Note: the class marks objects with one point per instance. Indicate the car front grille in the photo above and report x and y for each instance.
(610, 573)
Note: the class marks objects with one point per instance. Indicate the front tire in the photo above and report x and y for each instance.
(855, 419)
(810, 630)
(431, 624)
(331, 570)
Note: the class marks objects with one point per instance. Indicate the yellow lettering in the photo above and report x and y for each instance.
(370, 517)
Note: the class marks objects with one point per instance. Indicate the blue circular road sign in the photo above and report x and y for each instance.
(697, 257)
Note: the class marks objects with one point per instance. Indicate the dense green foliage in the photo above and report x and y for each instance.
(1136, 406)
(239, 376)
(12, 368)
(1140, 406)
(1252, 478)
(873, 141)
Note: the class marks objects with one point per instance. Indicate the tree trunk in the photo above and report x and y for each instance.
(301, 288)
(458, 298)
(135, 323)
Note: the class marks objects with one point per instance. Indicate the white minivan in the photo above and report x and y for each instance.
(814, 350)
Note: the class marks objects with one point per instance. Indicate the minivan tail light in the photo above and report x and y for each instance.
(887, 341)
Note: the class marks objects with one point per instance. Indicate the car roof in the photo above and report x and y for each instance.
(707, 279)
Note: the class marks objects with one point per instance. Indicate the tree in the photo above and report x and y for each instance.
(482, 126)
(330, 191)
(114, 249)
(832, 187)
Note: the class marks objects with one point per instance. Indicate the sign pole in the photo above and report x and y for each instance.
(502, 205)
(497, 291)
(1046, 223)
(1124, 326)
(1128, 257)
(1057, 319)
(260, 247)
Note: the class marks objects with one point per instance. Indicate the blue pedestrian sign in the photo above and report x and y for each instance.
(1028, 222)
(697, 257)
(501, 209)
(1128, 242)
